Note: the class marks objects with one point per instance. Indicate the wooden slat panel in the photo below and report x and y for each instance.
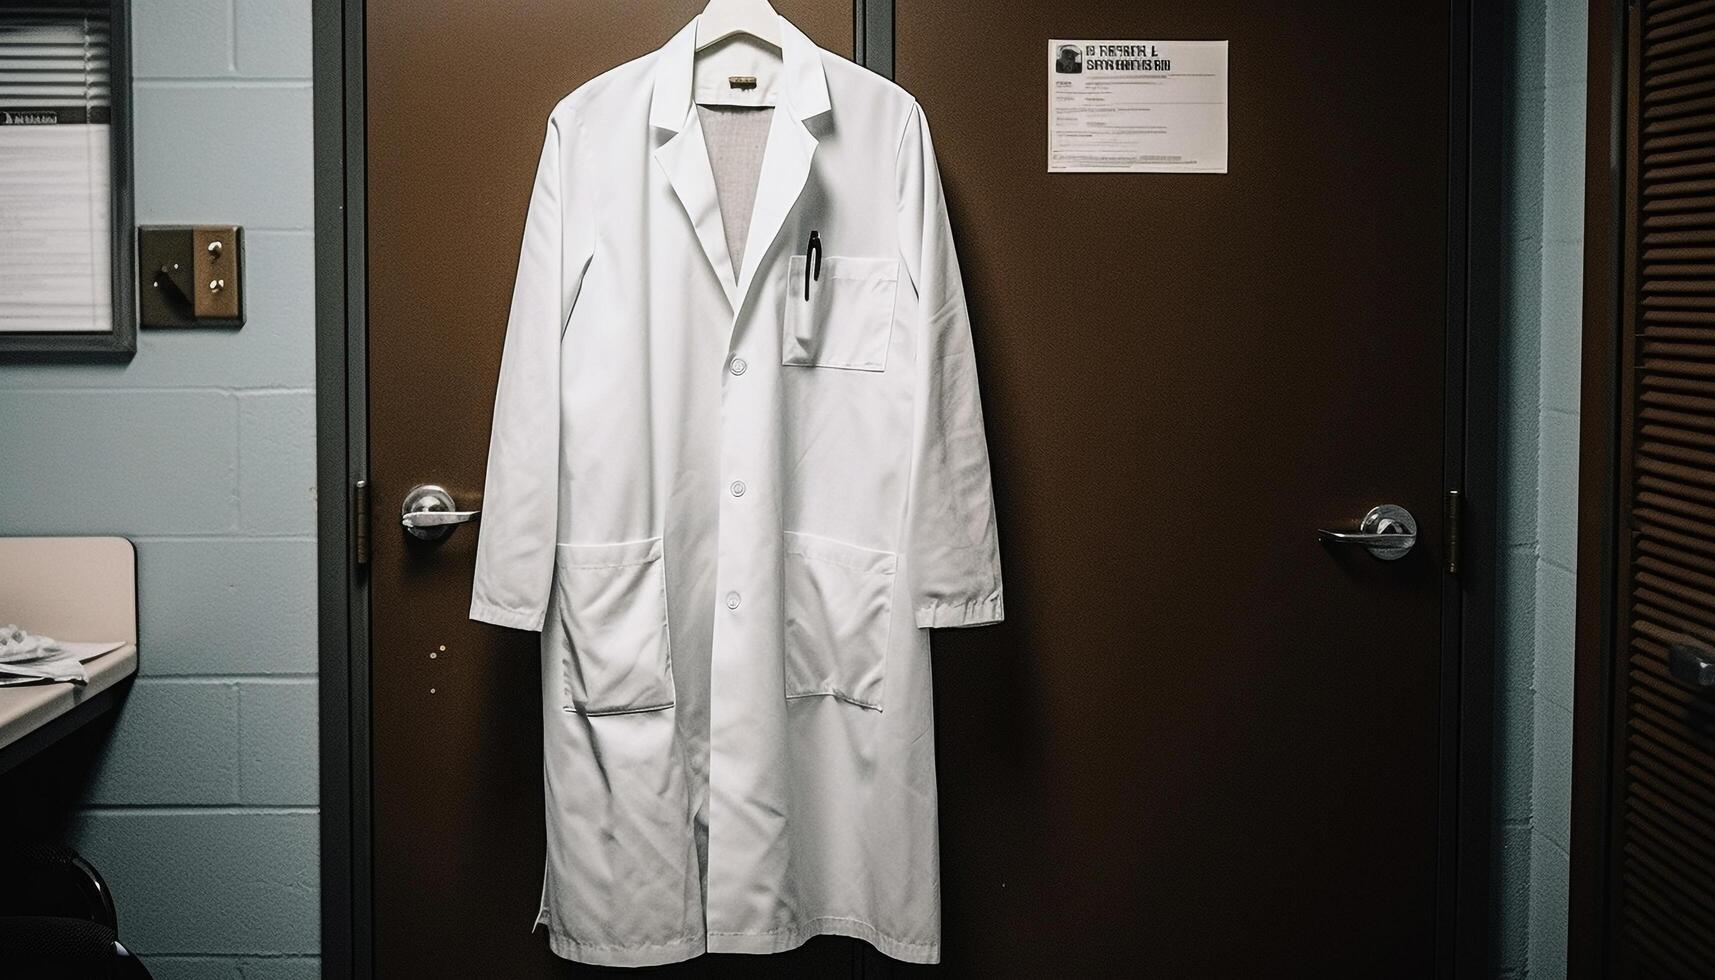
(1671, 907)
(1676, 562)
(1648, 822)
(1664, 920)
(1665, 739)
(1649, 667)
(1678, 770)
(1661, 945)
(1660, 13)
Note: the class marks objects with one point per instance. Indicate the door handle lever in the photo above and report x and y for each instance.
(1692, 665)
(1384, 539)
(1387, 532)
(438, 518)
(428, 513)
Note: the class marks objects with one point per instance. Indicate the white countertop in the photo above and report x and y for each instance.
(74, 589)
(27, 707)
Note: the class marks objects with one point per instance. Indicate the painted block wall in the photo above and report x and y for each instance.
(1539, 454)
(202, 809)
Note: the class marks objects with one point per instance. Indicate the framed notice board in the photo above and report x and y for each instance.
(67, 272)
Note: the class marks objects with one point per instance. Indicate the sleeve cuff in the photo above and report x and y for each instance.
(972, 612)
(488, 612)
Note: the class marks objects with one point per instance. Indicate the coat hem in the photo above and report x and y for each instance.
(777, 941)
(518, 619)
(791, 937)
(648, 954)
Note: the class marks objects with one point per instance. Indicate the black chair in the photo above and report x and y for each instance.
(57, 919)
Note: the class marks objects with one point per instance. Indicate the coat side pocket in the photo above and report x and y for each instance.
(847, 321)
(613, 638)
(839, 600)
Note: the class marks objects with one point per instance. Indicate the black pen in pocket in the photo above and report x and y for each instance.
(812, 254)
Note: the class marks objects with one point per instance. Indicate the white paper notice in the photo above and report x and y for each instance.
(56, 252)
(1137, 107)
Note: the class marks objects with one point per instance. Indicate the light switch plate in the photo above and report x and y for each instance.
(190, 276)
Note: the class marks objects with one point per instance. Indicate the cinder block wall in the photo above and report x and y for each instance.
(1539, 477)
(202, 813)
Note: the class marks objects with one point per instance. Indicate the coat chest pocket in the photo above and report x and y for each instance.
(839, 600)
(847, 321)
(614, 643)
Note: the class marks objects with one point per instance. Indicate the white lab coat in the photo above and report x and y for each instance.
(734, 513)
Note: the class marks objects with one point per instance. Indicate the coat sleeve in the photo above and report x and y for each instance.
(952, 550)
(520, 506)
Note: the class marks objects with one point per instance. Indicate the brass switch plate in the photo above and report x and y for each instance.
(190, 276)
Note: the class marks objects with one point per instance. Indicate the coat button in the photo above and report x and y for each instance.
(732, 600)
(737, 488)
(738, 365)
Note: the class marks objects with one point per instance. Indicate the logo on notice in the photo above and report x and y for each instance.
(38, 118)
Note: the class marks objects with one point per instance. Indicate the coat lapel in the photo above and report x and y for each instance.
(684, 158)
(785, 167)
(685, 161)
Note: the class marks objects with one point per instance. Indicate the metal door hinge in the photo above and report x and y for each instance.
(1455, 513)
(360, 521)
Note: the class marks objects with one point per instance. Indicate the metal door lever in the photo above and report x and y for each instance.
(438, 518)
(1388, 532)
(1691, 664)
(428, 513)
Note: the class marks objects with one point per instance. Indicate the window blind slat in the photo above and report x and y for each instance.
(54, 63)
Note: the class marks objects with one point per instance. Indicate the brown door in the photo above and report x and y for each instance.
(1643, 858)
(457, 96)
(1204, 743)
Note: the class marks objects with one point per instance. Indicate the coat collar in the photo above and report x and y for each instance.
(804, 84)
(684, 158)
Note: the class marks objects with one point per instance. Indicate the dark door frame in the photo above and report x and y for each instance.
(1601, 417)
(1475, 246)
(342, 463)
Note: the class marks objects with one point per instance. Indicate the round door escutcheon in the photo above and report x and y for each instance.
(1391, 519)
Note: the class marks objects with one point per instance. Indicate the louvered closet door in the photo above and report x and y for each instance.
(1664, 857)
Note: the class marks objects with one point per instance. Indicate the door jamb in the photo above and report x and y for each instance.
(1476, 245)
(342, 460)
(1589, 943)
(872, 35)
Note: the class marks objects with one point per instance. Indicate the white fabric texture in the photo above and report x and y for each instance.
(18, 644)
(733, 494)
(737, 137)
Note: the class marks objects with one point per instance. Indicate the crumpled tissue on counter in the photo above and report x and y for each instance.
(26, 658)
